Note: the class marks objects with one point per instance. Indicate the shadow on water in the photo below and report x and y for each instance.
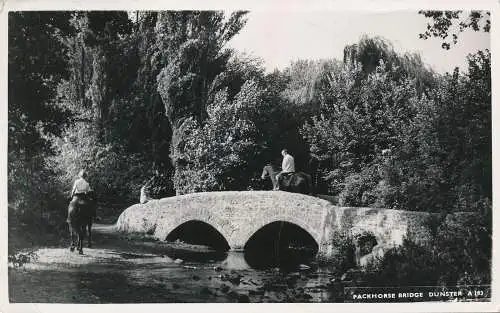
(104, 288)
(280, 244)
(197, 256)
(198, 233)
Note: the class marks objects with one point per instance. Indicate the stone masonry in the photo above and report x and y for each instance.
(238, 215)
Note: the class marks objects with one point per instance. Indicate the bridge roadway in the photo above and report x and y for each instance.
(237, 215)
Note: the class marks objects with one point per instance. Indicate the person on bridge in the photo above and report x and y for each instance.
(287, 166)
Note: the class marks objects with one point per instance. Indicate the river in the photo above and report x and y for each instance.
(123, 268)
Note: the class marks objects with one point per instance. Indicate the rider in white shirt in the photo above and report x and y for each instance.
(82, 193)
(287, 166)
(81, 186)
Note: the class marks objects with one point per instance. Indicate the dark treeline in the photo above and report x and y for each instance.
(159, 97)
(133, 95)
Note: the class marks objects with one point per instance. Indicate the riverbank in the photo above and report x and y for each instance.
(130, 268)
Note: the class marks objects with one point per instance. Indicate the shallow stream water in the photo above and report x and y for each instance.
(130, 269)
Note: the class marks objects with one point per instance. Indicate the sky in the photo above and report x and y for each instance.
(279, 38)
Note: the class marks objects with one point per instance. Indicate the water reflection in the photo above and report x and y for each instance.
(280, 244)
(235, 260)
(204, 256)
(284, 259)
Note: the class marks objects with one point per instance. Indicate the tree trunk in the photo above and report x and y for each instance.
(82, 77)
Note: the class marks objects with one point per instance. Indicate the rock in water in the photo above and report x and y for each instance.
(205, 291)
(224, 288)
(235, 278)
(346, 277)
(304, 267)
(178, 261)
(243, 298)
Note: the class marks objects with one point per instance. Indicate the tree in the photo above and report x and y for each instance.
(357, 121)
(192, 47)
(371, 52)
(138, 119)
(221, 154)
(37, 63)
(447, 154)
(99, 93)
(445, 23)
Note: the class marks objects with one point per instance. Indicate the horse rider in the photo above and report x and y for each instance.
(287, 166)
(81, 192)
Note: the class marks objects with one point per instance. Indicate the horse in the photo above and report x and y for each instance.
(298, 182)
(81, 210)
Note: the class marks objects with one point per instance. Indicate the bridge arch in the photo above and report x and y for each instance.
(199, 233)
(168, 224)
(280, 243)
(299, 221)
(236, 234)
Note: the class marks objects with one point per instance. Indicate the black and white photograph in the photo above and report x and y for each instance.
(249, 156)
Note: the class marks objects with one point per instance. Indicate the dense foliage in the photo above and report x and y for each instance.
(460, 255)
(157, 98)
(127, 95)
(37, 64)
(381, 141)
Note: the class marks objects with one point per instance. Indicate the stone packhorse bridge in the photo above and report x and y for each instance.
(239, 215)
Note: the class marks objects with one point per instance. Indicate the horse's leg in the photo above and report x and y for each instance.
(72, 238)
(303, 186)
(299, 183)
(81, 237)
(278, 178)
(89, 225)
(310, 183)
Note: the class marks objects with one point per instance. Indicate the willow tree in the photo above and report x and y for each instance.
(192, 45)
(370, 52)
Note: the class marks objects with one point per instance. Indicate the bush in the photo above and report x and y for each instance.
(345, 253)
(460, 255)
(33, 188)
(463, 247)
(159, 186)
(114, 174)
(406, 265)
(359, 188)
(222, 152)
(37, 208)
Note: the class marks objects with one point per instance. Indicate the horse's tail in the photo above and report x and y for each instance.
(310, 184)
(304, 183)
